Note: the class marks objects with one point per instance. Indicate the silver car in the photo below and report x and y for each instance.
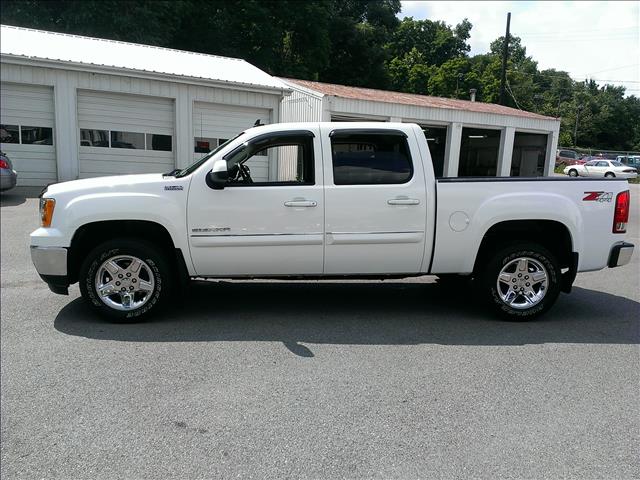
(8, 176)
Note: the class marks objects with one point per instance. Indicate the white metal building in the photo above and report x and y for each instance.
(75, 107)
(465, 137)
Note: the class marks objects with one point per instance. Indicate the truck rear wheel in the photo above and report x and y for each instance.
(125, 279)
(521, 282)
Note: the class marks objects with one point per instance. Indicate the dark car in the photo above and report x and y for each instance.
(8, 176)
(567, 157)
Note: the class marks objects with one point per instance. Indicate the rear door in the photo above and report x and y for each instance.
(375, 200)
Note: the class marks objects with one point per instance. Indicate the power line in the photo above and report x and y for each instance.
(616, 68)
(565, 75)
(576, 39)
(563, 32)
(512, 95)
(609, 80)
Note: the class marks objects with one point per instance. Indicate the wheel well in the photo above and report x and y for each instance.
(90, 235)
(552, 235)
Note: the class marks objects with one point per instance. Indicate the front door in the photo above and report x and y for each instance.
(375, 201)
(261, 227)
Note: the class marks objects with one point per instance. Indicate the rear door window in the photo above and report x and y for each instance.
(370, 157)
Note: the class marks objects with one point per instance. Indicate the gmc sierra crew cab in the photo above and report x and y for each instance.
(327, 200)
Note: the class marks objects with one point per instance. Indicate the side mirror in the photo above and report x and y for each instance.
(218, 176)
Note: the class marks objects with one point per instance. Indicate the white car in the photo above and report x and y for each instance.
(601, 168)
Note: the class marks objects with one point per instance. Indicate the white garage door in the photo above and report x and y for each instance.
(214, 124)
(26, 132)
(122, 134)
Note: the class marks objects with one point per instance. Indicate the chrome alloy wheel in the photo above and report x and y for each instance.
(124, 282)
(522, 283)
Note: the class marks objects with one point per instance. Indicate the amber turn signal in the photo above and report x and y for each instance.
(46, 211)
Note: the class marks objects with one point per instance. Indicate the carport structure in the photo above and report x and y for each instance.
(466, 138)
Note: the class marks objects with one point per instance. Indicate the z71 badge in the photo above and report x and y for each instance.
(598, 197)
(173, 187)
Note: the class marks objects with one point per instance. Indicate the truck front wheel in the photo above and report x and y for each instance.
(521, 282)
(124, 279)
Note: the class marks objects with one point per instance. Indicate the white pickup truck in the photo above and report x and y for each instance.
(327, 200)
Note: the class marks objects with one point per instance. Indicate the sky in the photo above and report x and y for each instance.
(598, 40)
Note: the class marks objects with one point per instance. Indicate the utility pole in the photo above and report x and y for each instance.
(575, 130)
(505, 52)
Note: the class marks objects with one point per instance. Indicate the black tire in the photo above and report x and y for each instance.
(609, 175)
(156, 268)
(573, 172)
(535, 255)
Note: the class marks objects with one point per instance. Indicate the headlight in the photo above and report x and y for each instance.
(46, 211)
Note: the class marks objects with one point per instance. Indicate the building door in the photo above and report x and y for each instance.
(122, 134)
(214, 124)
(27, 132)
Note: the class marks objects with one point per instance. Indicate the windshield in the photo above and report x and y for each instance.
(617, 164)
(192, 168)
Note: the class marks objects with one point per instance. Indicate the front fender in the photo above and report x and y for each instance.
(96, 207)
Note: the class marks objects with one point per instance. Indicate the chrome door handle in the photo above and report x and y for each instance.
(300, 203)
(403, 201)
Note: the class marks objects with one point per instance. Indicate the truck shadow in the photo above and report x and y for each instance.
(387, 313)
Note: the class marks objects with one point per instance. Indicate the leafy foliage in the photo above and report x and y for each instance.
(352, 42)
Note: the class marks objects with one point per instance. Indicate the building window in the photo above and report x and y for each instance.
(529, 152)
(479, 152)
(159, 142)
(36, 135)
(370, 158)
(94, 138)
(437, 141)
(9, 134)
(127, 140)
(26, 135)
(132, 140)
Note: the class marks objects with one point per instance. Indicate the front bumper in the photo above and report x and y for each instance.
(621, 254)
(51, 265)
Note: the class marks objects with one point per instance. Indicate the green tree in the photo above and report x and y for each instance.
(358, 30)
(152, 22)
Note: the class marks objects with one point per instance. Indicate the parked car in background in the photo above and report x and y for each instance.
(8, 176)
(630, 160)
(567, 157)
(601, 168)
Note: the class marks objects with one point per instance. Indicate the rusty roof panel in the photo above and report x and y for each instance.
(359, 93)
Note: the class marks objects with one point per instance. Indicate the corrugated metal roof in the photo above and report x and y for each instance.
(39, 44)
(387, 96)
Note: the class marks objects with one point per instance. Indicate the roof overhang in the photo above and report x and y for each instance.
(164, 77)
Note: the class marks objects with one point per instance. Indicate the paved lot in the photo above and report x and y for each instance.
(317, 380)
